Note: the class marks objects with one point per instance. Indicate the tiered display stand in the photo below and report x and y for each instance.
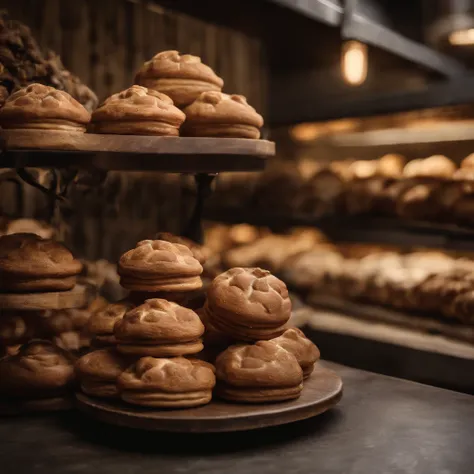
(204, 158)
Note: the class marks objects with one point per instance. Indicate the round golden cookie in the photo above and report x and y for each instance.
(46, 108)
(101, 323)
(258, 373)
(215, 114)
(248, 302)
(27, 258)
(97, 372)
(160, 328)
(157, 265)
(294, 341)
(167, 383)
(39, 370)
(137, 111)
(181, 77)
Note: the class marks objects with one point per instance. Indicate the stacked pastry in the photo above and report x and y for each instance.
(40, 377)
(37, 375)
(150, 342)
(159, 352)
(159, 268)
(29, 263)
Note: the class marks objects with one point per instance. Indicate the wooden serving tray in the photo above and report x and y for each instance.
(322, 390)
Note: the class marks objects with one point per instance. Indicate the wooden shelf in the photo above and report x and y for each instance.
(322, 390)
(362, 229)
(76, 298)
(35, 148)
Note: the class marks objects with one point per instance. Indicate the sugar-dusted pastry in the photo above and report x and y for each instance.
(248, 304)
(101, 323)
(215, 114)
(182, 77)
(137, 111)
(159, 328)
(30, 263)
(45, 108)
(168, 383)
(258, 373)
(98, 371)
(40, 370)
(157, 265)
(294, 341)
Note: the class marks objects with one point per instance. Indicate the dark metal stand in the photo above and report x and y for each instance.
(193, 229)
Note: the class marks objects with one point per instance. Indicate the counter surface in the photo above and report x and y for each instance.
(382, 425)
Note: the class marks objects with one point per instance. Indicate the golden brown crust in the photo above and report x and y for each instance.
(160, 322)
(258, 373)
(97, 371)
(294, 341)
(182, 77)
(39, 369)
(137, 110)
(199, 252)
(154, 259)
(28, 255)
(175, 375)
(39, 106)
(261, 365)
(219, 114)
(250, 297)
(101, 323)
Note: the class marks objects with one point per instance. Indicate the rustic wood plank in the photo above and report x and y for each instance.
(76, 298)
(75, 38)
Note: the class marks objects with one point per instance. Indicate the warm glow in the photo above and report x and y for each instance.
(354, 62)
(462, 37)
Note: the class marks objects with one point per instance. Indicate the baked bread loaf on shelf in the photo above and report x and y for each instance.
(39, 107)
(215, 114)
(137, 111)
(168, 383)
(183, 77)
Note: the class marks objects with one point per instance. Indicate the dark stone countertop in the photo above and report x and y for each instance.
(382, 425)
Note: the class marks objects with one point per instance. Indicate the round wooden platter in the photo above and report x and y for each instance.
(75, 298)
(322, 390)
(133, 152)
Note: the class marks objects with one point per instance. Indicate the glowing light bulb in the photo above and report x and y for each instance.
(354, 62)
(462, 37)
